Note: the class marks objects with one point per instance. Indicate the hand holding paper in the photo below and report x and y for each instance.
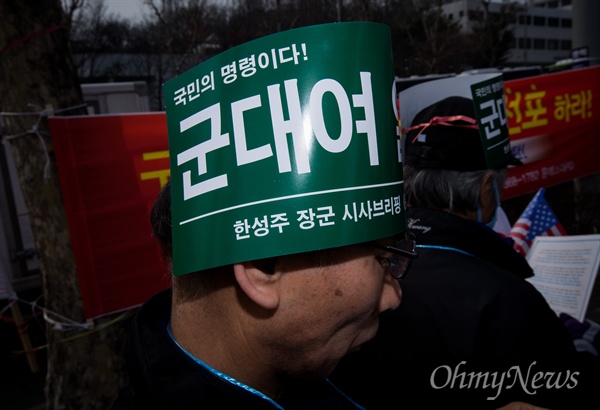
(565, 270)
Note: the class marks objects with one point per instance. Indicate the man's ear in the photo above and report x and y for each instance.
(261, 286)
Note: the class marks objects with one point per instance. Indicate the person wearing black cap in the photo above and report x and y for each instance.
(471, 332)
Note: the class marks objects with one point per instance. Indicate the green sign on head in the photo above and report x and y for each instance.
(286, 144)
(488, 98)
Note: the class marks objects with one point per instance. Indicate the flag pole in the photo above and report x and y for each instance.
(24, 335)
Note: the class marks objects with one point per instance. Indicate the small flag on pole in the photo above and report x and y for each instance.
(537, 220)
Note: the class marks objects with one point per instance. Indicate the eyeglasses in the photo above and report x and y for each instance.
(404, 253)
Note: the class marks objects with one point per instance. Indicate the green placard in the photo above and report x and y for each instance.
(285, 144)
(488, 98)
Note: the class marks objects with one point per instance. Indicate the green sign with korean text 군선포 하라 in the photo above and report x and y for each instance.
(286, 144)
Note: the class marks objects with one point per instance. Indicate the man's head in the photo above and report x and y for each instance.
(280, 183)
(320, 304)
(446, 135)
(446, 166)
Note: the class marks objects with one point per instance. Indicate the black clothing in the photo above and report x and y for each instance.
(466, 308)
(163, 376)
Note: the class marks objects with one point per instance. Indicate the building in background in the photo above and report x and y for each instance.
(542, 30)
(116, 97)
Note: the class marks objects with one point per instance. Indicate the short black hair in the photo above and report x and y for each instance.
(160, 220)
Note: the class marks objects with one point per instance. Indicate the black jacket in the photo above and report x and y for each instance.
(162, 376)
(466, 314)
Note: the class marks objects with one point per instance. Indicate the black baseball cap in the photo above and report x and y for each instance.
(446, 135)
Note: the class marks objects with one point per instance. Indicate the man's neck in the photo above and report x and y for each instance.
(223, 339)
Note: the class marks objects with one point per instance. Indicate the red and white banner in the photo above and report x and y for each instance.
(553, 120)
(111, 168)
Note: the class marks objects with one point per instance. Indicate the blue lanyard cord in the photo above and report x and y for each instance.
(358, 406)
(444, 248)
(222, 375)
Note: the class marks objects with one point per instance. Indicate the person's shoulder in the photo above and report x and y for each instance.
(157, 308)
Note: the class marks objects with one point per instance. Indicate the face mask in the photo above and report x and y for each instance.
(492, 222)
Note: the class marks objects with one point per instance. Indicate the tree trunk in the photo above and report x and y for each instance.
(36, 71)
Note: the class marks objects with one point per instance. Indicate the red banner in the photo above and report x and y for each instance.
(554, 121)
(111, 168)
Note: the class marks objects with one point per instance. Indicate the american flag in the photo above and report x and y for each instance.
(537, 220)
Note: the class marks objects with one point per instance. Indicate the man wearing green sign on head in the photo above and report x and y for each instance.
(283, 223)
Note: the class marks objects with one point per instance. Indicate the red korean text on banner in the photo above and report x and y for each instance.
(553, 124)
(111, 169)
